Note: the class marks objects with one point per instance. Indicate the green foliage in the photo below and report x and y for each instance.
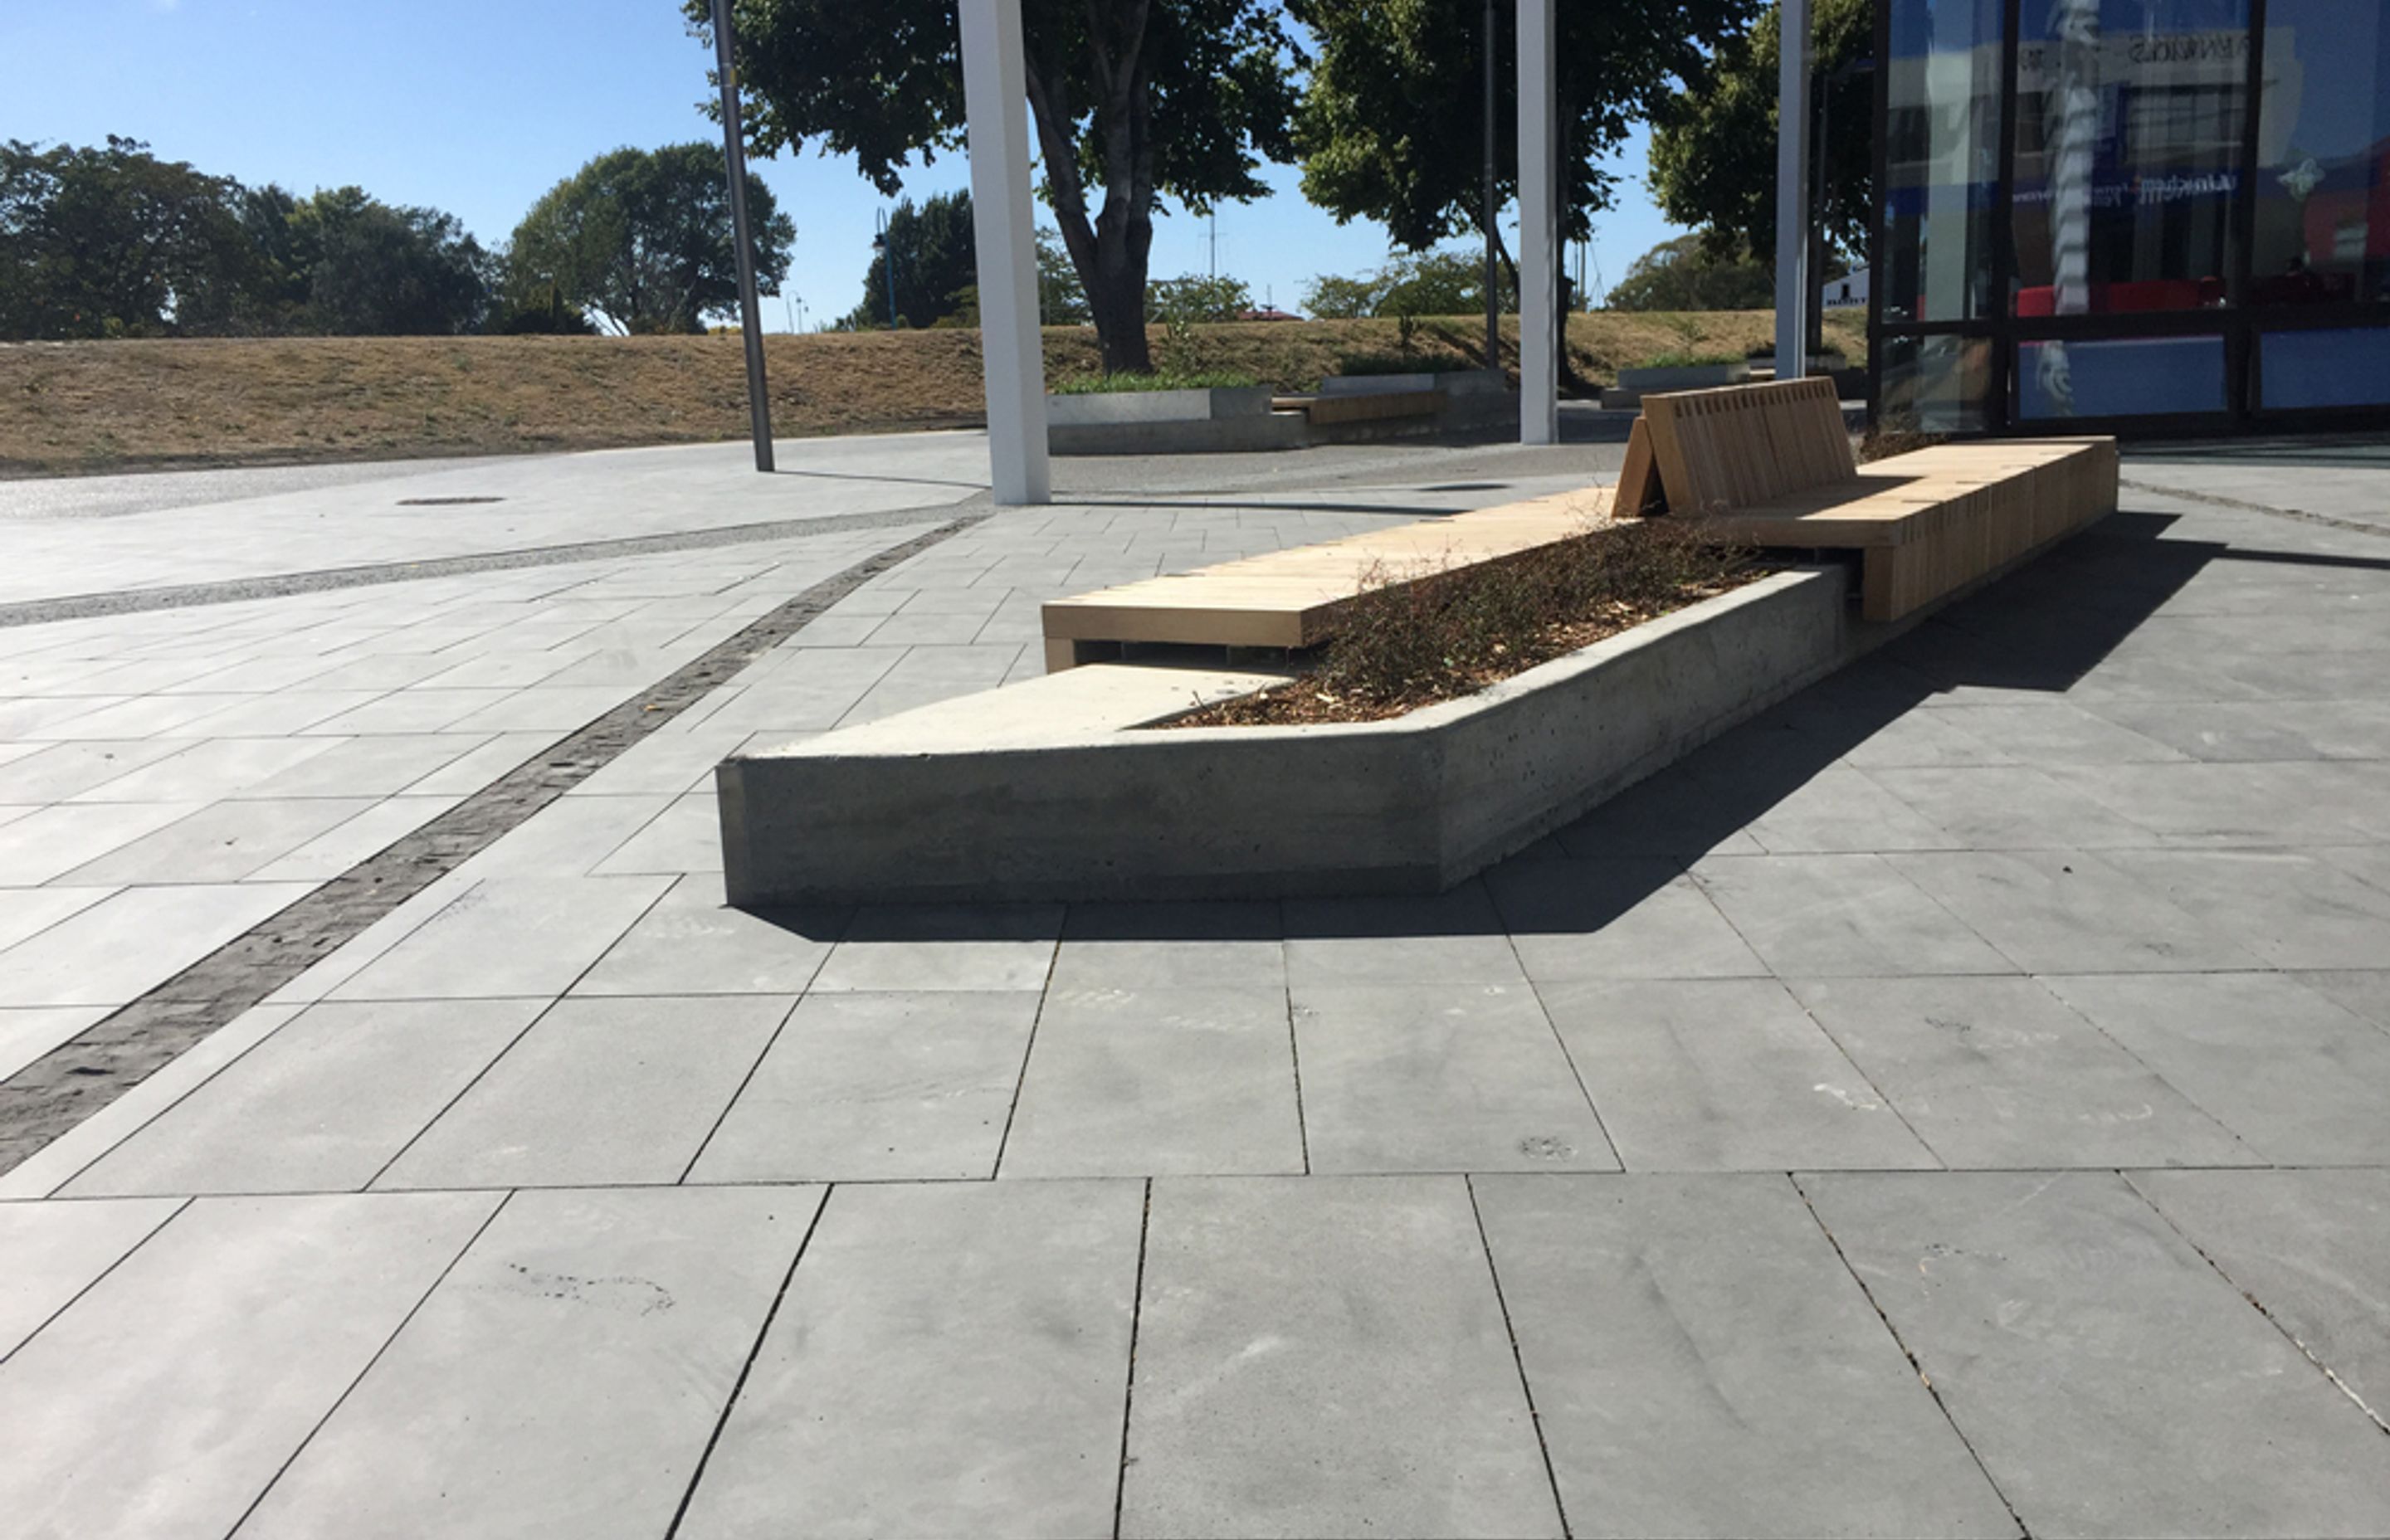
(1681, 358)
(643, 238)
(1714, 147)
(935, 264)
(377, 271)
(1449, 282)
(1160, 380)
(1135, 101)
(1061, 299)
(1331, 298)
(1689, 272)
(1391, 127)
(1402, 363)
(115, 242)
(1195, 298)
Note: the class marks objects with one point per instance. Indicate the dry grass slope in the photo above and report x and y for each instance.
(89, 406)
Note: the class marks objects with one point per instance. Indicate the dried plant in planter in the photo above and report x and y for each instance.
(1415, 638)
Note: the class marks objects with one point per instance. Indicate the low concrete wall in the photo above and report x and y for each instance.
(1169, 422)
(1049, 790)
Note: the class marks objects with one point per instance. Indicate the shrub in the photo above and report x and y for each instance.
(1681, 358)
(1161, 379)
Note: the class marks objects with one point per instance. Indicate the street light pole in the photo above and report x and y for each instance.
(1486, 204)
(751, 317)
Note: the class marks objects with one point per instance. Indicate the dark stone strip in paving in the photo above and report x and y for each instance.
(2242, 504)
(72, 1082)
(132, 601)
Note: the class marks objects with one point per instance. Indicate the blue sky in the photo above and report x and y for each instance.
(478, 107)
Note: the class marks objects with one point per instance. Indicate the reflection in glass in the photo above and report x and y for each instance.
(1937, 384)
(2340, 367)
(1942, 92)
(2323, 158)
(2120, 376)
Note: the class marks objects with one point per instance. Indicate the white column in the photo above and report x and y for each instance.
(995, 97)
(1540, 248)
(1793, 297)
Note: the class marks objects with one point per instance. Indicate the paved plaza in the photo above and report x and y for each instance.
(1956, 1102)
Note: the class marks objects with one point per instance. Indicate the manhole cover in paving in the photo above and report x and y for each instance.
(442, 502)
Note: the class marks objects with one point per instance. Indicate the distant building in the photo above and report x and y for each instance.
(1268, 313)
(1847, 292)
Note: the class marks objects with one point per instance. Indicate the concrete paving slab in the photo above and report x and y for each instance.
(1702, 1364)
(1319, 1356)
(125, 945)
(2059, 732)
(45, 845)
(27, 1034)
(2007, 807)
(1157, 1082)
(164, 1400)
(512, 936)
(2300, 1080)
(693, 942)
(27, 911)
(567, 837)
(1452, 936)
(380, 767)
(2311, 1248)
(2263, 730)
(1171, 946)
(1451, 1077)
(1008, 947)
(1838, 809)
(2268, 804)
(1012, 1428)
(2365, 992)
(1615, 919)
(598, 1092)
(2292, 909)
(563, 1379)
(47, 773)
(381, 825)
(863, 1087)
(2109, 1379)
(223, 843)
(685, 837)
(1723, 1075)
(2069, 912)
(321, 1106)
(57, 1251)
(1838, 916)
(1997, 1073)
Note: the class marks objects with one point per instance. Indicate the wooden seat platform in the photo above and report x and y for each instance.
(1291, 599)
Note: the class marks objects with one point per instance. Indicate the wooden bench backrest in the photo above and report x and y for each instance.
(1714, 451)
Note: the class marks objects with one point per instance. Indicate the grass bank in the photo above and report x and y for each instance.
(67, 407)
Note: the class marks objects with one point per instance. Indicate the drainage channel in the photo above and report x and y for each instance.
(81, 1076)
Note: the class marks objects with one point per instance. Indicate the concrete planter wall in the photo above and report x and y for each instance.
(1165, 422)
(1060, 793)
(1635, 384)
(1450, 382)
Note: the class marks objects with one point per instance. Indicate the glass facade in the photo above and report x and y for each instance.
(2104, 211)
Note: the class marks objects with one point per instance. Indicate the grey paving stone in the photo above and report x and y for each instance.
(567, 837)
(213, 768)
(1158, 1081)
(2366, 992)
(1326, 1357)
(2300, 1080)
(57, 1251)
(1820, 916)
(2311, 1247)
(27, 1034)
(598, 1092)
(142, 716)
(469, 772)
(1702, 1364)
(321, 1106)
(380, 767)
(685, 837)
(381, 825)
(1879, 739)
(1836, 809)
(991, 946)
(2069, 911)
(877, 1087)
(223, 843)
(283, 712)
(1171, 946)
(165, 1399)
(2059, 732)
(542, 707)
(1013, 1428)
(127, 945)
(1997, 1073)
(2110, 1382)
(2290, 908)
(1453, 936)
(415, 711)
(508, 936)
(693, 942)
(1439, 1077)
(45, 845)
(2008, 807)
(44, 772)
(579, 1356)
(27, 911)
(1622, 918)
(2268, 804)
(1724, 1075)
(2265, 730)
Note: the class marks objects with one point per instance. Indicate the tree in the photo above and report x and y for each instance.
(1714, 148)
(1412, 283)
(643, 238)
(373, 270)
(1329, 296)
(1687, 273)
(113, 241)
(1141, 100)
(1196, 298)
(935, 262)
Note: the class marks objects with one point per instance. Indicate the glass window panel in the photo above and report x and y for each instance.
(1937, 384)
(2323, 157)
(2130, 117)
(2120, 376)
(2326, 368)
(1942, 94)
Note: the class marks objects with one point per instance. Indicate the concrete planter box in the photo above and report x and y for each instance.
(1450, 382)
(1050, 790)
(1163, 422)
(1635, 384)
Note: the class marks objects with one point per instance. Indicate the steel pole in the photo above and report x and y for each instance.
(1486, 205)
(751, 315)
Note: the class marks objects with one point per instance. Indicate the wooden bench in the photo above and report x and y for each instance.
(1291, 598)
(1771, 466)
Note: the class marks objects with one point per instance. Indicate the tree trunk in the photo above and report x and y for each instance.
(1111, 250)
